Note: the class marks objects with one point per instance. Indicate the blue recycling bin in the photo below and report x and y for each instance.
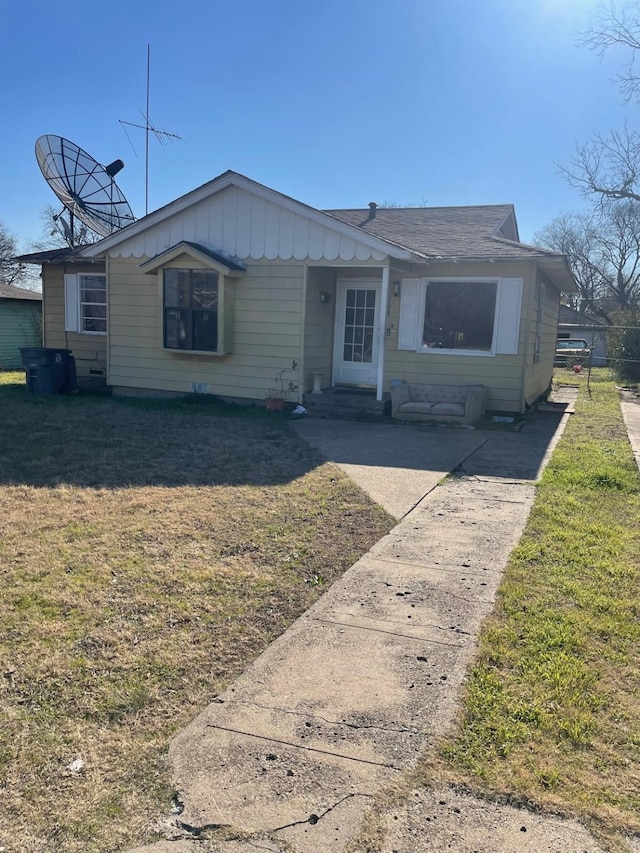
(49, 370)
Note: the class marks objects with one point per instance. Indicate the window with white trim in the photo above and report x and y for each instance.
(93, 304)
(459, 315)
(85, 303)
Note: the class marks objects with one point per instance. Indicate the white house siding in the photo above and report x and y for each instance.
(538, 374)
(89, 351)
(267, 335)
(251, 228)
(503, 374)
(20, 326)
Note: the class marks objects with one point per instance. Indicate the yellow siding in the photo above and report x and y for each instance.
(267, 333)
(539, 374)
(503, 374)
(319, 326)
(89, 351)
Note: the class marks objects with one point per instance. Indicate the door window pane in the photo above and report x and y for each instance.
(359, 325)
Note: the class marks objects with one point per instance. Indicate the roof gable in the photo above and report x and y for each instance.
(247, 220)
(220, 260)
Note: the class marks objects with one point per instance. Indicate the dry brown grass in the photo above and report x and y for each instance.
(148, 554)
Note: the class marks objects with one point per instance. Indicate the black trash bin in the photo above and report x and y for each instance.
(49, 370)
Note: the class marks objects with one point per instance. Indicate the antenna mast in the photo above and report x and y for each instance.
(147, 126)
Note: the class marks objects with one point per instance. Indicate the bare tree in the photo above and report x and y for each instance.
(603, 251)
(617, 27)
(607, 167)
(10, 271)
(57, 232)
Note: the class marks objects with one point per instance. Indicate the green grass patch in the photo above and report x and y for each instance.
(551, 713)
(149, 553)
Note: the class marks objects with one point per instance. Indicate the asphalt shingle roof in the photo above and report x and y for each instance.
(51, 256)
(8, 291)
(446, 232)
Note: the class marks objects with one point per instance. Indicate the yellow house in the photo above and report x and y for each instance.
(233, 284)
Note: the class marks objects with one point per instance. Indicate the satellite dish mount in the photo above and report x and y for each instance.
(86, 189)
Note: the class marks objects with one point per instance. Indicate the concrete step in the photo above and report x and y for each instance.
(334, 402)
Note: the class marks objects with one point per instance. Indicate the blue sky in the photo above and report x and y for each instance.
(334, 102)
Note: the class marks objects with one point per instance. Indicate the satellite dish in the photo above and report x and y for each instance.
(86, 188)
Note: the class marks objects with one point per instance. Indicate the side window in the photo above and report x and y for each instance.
(93, 304)
(85, 303)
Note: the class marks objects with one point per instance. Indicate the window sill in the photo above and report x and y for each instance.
(99, 334)
(466, 352)
(197, 352)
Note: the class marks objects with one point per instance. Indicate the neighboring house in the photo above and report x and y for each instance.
(20, 324)
(223, 288)
(575, 324)
(74, 308)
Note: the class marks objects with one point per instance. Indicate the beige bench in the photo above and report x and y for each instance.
(456, 403)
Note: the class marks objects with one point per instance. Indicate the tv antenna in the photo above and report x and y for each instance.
(86, 188)
(148, 127)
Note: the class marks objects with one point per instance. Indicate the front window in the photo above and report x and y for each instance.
(459, 315)
(190, 304)
(93, 304)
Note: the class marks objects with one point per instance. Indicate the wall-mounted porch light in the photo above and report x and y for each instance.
(397, 287)
(325, 297)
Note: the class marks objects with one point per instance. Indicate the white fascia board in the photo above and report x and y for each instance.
(240, 181)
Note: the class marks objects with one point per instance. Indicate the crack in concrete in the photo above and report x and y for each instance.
(314, 818)
(390, 633)
(437, 485)
(431, 625)
(196, 831)
(305, 748)
(403, 730)
(449, 568)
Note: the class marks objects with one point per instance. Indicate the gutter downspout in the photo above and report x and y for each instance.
(382, 325)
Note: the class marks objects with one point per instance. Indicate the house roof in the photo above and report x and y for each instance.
(483, 232)
(52, 256)
(479, 232)
(230, 178)
(570, 317)
(8, 291)
(434, 231)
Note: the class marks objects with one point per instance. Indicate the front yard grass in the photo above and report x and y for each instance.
(552, 710)
(148, 554)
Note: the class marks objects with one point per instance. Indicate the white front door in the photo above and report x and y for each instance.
(357, 341)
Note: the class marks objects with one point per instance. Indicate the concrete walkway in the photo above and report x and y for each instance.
(631, 415)
(295, 752)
